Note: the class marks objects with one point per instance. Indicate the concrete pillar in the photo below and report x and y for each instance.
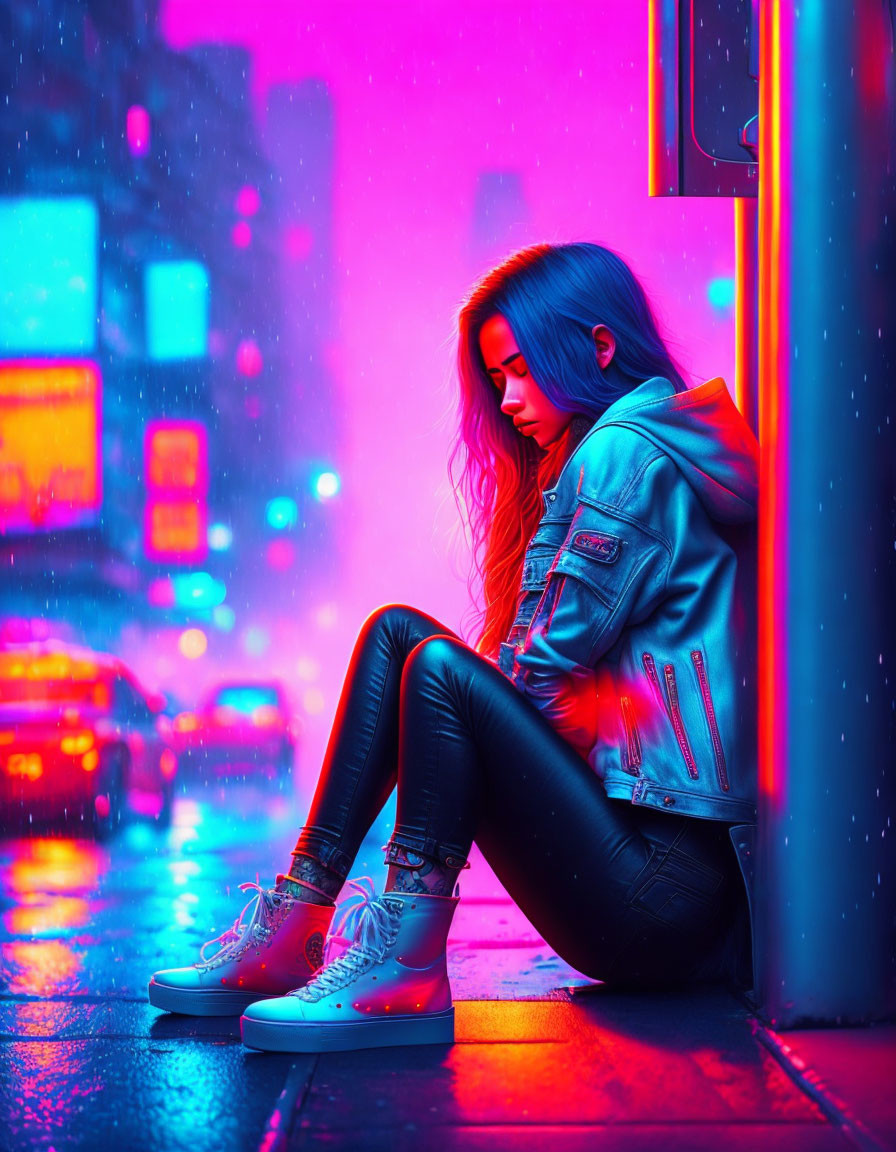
(825, 907)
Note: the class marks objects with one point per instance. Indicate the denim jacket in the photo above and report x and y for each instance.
(635, 631)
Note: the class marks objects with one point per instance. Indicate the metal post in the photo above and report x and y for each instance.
(827, 577)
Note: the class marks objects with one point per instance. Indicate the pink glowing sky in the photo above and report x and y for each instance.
(427, 96)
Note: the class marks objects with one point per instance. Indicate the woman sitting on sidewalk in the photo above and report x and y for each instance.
(595, 743)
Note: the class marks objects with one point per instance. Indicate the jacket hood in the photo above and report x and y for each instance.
(705, 434)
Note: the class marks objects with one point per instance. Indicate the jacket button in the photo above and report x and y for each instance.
(668, 801)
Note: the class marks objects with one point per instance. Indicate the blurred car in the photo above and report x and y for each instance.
(78, 735)
(238, 724)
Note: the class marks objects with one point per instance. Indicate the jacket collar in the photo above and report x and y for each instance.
(656, 388)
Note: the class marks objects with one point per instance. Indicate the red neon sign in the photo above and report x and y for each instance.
(50, 475)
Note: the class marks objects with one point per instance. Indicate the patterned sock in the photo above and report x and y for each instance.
(427, 877)
(309, 880)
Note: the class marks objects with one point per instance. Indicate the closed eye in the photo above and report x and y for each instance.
(519, 370)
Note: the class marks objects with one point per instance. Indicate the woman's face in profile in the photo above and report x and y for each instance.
(531, 411)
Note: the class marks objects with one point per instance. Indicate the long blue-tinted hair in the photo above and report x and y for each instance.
(551, 296)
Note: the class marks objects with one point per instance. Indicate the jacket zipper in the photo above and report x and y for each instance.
(677, 722)
(721, 768)
(671, 709)
(633, 741)
(650, 669)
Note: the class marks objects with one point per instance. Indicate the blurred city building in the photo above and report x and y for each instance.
(166, 428)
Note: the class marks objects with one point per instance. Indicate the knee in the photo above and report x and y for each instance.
(436, 653)
(391, 619)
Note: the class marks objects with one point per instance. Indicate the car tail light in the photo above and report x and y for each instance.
(90, 760)
(76, 743)
(6, 738)
(27, 764)
(168, 763)
(265, 716)
(186, 722)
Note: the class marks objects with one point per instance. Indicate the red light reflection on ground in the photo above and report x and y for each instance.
(40, 915)
(41, 968)
(50, 881)
(46, 864)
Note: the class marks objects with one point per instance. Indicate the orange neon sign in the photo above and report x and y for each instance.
(174, 527)
(50, 474)
(174, 458)
(176, 463)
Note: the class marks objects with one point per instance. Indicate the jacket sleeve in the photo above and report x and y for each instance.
(609, 571)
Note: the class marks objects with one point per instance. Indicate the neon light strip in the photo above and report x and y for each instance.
(653, 164)
(775, 88)
(745, 334)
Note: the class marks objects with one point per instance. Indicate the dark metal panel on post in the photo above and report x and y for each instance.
(828, 512)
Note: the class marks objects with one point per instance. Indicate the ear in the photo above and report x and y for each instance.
(604, 343)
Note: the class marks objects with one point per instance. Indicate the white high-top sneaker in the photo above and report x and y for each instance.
(276, 949)
(389, 987)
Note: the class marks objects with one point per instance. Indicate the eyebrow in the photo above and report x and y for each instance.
(504, 363)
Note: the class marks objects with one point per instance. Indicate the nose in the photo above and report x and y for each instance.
(512, 400)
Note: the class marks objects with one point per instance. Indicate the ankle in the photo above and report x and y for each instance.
(301, 890)
(426, 880)
(312, 881)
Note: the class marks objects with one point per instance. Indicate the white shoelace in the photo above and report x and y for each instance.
(256, 930)
(372, 925)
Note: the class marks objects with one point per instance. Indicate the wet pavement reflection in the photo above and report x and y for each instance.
(84, 1057)
(85, 1060)
(84, 924)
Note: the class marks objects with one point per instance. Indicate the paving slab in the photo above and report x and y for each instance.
(680, 1061)
(579, 1138)
(143, 1095)
(854, 1071)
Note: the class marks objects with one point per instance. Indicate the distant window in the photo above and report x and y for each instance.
(48, 274)
(177, 305)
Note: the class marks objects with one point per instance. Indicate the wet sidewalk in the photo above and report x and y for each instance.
(544, 1059)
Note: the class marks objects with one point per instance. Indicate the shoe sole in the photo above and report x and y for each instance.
(204, 1001)
(267, 1036)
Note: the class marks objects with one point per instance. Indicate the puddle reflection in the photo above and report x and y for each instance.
(50, 883)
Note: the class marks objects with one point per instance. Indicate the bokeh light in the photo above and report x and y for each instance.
(220, 537)
(307, 668)
(248, 200)
(138, 130)
(720, 292)
(327, 615)
(256, 641)
(313, 701)
(192, 643)
(249, 361)
(326, 485)
(224, 617)
(197, 590)
(241, 234)
(281, 554)
(282, 512)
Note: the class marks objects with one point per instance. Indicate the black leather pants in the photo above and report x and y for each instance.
(624, 894)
